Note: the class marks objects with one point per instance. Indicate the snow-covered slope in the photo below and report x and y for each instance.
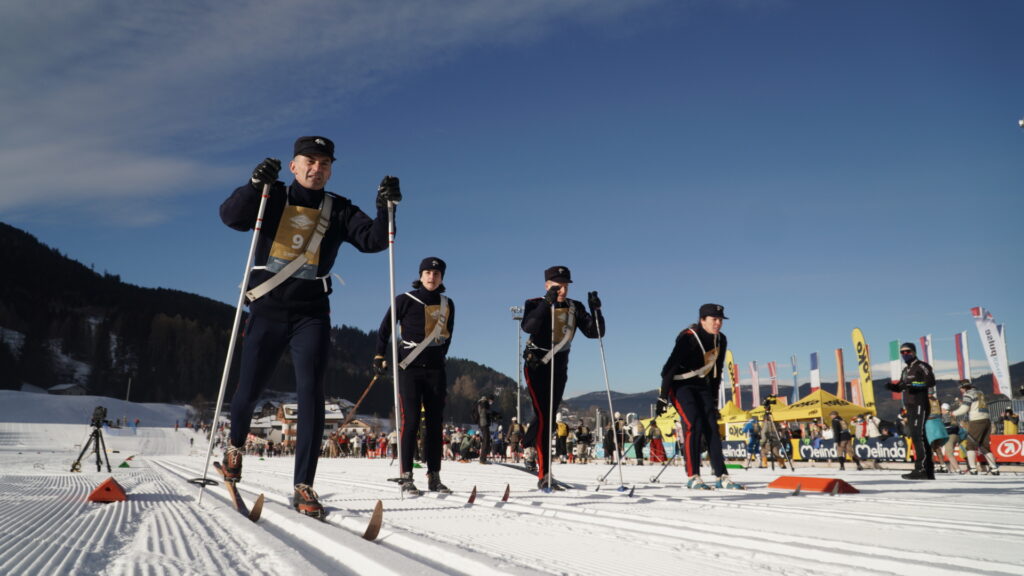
(954, 525)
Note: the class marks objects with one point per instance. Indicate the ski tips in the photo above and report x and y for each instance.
(797, 491)
(376, 520)
(472, 496)
(505, 497)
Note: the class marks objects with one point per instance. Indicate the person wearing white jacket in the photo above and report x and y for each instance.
(979, 426)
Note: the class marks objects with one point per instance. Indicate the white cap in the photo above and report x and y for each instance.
(945, 406)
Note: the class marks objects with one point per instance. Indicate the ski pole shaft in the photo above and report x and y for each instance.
(257, 227)
(394, 332)
(551, 402)
(608, 389)
(351, 413)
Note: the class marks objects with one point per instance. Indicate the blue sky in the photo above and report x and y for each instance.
(812, 166)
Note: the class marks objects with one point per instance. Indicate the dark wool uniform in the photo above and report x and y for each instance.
(916, 381)
(296, 314)
(537, 323)
(422, 383)
(696, 396)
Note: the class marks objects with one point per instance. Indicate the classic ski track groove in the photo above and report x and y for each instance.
(835, 552)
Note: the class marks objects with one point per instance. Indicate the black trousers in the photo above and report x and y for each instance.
(698, 407)
(917, 415)
(421, 390)
(308, 340)
(538, 381)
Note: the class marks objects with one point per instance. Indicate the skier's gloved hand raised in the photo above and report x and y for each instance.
(551, 296)
(593, 301)
(388, 191)
(894, 386)
(380, 365)
(660, 407)
(266, 172)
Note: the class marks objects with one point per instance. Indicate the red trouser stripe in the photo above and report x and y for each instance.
(542, 463)
(691, 469)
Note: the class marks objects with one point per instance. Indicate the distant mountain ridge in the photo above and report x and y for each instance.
(61, 322)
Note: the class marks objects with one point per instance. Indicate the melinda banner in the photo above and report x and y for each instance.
(894, 449)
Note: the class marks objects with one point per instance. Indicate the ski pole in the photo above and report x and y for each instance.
(608, 389)
(351, 414)
(551, 402)
(394, 332)
(665, 467)
(234, 333)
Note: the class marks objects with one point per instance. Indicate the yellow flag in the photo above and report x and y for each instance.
(864, 369)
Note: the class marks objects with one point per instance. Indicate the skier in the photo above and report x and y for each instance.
(916, 381)
(541, 352)
(935, 430)
(690, 380)
(426, 320)
(979, 427)
(515, 439)
(288, 302)
(752, 429)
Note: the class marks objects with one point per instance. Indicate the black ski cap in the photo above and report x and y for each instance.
(558, 274)
(314, 146)
(908, 346)
(716, 310)
(433, 263)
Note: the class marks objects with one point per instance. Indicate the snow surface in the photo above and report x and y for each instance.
(954, 525)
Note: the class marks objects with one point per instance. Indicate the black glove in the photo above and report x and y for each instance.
(894, 386)
(266, 172)
(380, 365)
(551, 296)
(388, 191)
(660, 407)
(593, 301)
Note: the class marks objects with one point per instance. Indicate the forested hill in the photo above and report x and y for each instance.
(62, 323)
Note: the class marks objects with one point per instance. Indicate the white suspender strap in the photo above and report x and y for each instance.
(703, 370)
(569, 333)
(292, 267)
(442, 321)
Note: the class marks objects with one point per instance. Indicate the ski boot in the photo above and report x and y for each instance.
(232, 464)
(695, 483)
(724, 482)
(917, 474)
(408, 487)
(542, 484)
(307, 502)
(434, 483)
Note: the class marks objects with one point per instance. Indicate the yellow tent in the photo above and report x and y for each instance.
(730, 416)
(817, 404)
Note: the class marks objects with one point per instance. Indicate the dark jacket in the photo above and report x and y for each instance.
(915, 382)
(412, 322)
(299, 297)
(687, 356)
(537, 322)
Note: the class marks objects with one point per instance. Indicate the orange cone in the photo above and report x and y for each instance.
(108, 491)
(811, 484)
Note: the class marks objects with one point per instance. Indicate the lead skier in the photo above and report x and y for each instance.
(690, 380)
(302, 230)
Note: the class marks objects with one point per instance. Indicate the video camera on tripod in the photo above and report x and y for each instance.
(99, 447)
(99, 416)
(769, 401)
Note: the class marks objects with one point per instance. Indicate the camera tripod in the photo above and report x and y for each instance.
(99, 446)
(775, 440)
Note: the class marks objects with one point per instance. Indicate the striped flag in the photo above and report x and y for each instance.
(840, 375)
(856, 396)
(926, 350)
(773, 378)
(963, 357)
(815, 373)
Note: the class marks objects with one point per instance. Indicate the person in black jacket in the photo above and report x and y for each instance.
(540, 352)
(916, 383)
(426, 319)
(302, 229)
(485, 415)
(690, 380)
(844, 440)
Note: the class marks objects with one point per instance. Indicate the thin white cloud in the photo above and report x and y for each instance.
(104, 101)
